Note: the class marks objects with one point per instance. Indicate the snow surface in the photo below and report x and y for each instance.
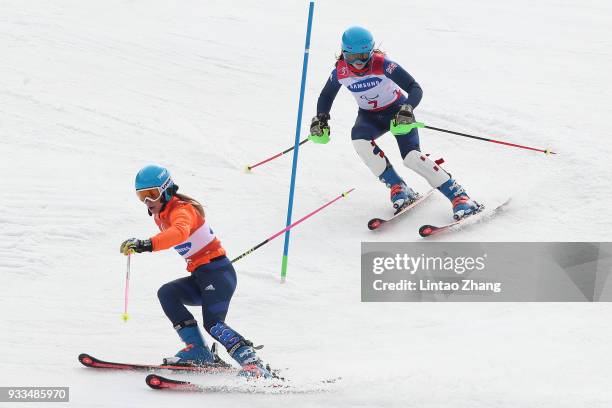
(91, 91)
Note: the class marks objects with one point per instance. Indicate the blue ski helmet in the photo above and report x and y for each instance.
(153, 176)
(358, 41)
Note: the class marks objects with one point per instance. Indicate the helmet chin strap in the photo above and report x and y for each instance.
(172, 190)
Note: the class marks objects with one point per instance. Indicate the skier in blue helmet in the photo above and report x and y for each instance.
(152, 182)
(387, 96)
(211, 281)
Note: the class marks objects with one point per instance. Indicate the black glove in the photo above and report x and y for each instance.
(404, 116)
(319, 124)
(136, 245)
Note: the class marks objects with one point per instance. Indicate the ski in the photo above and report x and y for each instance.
(248, 386)
(215, 368)
(376, 223)
(429, 230)
(158, 382)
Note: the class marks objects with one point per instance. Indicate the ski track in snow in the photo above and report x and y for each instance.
(90, 92)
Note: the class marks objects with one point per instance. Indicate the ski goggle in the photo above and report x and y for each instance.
(153, 193)
(352, 57)
(149, 194)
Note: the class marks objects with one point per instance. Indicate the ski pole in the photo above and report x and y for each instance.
(251, 167)
(125, 315)
(262, 243)
(486, 139)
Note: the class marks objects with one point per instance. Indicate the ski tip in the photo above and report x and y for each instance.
(427, 230)
(247, 169)
(157, 382)
(154, 381)
(85, 359)
(374, 223)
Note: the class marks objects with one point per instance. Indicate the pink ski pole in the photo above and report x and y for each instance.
(125, 315)
(252, 166)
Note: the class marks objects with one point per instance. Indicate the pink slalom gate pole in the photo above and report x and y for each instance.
(262, 243)
(125, 315)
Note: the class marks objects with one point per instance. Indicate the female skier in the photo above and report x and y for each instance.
(377, 83)
(212, 278)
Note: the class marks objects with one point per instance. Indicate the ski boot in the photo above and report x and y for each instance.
(251, 364)
(196, 352)
(242, 351)
(463, 205)
(401, 195)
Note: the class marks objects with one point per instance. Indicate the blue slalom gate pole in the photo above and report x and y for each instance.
(297, 142)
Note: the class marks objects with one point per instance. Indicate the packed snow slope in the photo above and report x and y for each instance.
(92, 91)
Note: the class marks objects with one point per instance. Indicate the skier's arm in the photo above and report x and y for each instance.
(328, 94)
(180, 229)
(405, 81)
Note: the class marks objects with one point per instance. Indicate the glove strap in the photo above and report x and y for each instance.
(323, 138)
(146, 245)
(405, 128)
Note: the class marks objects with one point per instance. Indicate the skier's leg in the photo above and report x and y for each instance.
(418, 162)
(173, 297)
(363, 134)
(435, 175)
(217, 282)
